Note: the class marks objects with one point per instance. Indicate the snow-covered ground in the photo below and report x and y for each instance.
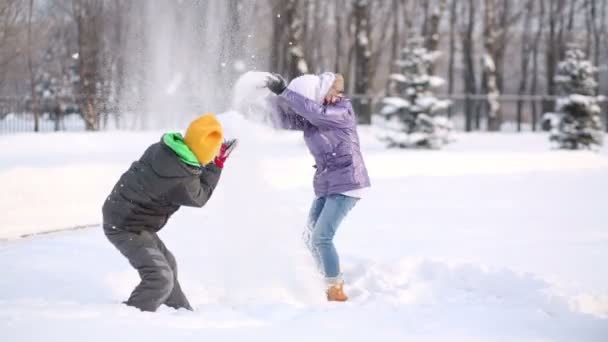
(494, 238)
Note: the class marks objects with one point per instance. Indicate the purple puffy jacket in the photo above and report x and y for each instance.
(330, 132)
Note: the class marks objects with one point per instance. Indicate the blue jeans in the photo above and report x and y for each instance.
(325, 217)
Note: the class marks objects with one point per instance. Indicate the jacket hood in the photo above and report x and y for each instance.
(313, 87)
(175, 141)
(172, 158)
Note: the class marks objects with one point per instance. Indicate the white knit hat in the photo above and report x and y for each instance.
(314, 87)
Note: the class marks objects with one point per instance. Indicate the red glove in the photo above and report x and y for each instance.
(227, 148)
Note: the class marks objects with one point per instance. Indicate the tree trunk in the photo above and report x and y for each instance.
(526, 49)
(30, 64)
(589, 24)
(362, 60)
(396, 41)
(596, 30)
(296, 64)
(432, 35)
(322, 14)
(453, 19)
(87, 21)
(535, 46)
(396, 36)
(277, 32)
(468, 55)
(551, 54)
(491, 86)
(604, 34)
(382, 14)
(338, 42)
(502, 41)
(407, 13)
(120, 58)
(572, 11)
(498, 18)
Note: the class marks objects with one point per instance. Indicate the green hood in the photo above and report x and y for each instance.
(175, 141)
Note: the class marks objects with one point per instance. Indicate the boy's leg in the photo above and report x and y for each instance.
(157, 279)
(177, 299)
(313, 216)
(334, 211)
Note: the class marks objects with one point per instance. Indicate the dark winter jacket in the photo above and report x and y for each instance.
(330, 132)
(155, 186)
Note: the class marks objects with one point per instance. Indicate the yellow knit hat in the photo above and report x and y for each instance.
(204, 137)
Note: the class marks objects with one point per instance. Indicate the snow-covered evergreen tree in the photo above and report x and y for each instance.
(576, 123)
(408, 116)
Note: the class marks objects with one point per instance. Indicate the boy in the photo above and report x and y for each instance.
(173, 172)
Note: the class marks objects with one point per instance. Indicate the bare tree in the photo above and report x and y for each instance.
(87, 17)
(30, 64)
(492, 92)
(554, 46)
(411, 9)
(535, 47)
(452, 51)
(111, 61)
(358, 38)
(278, 32)
(489, 82)
(320, 49)
(296, 64)
(380, 39)
(338, 35)
(316, 51)
(287, 39)
(498, 20)
(467, 29)
(595, 24)
(362, 57)
(526, 51)
(11, 14)
(432, 28)
(604, 34)
(396, 33)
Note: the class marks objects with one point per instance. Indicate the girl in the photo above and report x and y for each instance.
(315, 104)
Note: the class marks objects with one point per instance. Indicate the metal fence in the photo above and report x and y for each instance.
(16, 115)
(468, 112)
(517, 112)
(471, 112)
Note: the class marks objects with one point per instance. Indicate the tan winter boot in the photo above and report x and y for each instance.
(335, 293)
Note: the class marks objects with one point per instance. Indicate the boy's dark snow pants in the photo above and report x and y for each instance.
(156, 266)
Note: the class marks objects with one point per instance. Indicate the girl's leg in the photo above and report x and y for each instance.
(313, 216)
(334, 210)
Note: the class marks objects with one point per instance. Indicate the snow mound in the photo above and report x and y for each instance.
(408, 298)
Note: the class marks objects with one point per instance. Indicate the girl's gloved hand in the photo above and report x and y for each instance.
(276, 83)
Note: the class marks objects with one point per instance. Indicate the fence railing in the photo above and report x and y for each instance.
(468, 112)
(472, 112)
(517, 112)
